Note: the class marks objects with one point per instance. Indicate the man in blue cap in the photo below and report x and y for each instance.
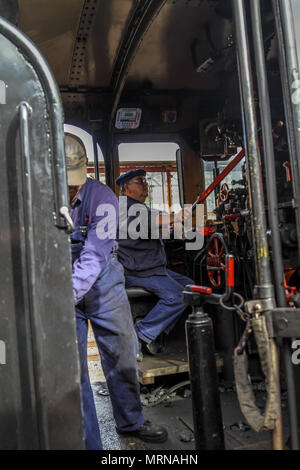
(144, 261)
(100, 297)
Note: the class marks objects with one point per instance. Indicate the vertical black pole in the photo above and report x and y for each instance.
(216, 173)
(259, 227)
(109, 158)
(290, 74)
(208, 425)
(269, 157)
(268, 151)
(226, 324)
(264, 291)
(96, 159)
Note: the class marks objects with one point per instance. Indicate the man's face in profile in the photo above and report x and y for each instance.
(137, 188)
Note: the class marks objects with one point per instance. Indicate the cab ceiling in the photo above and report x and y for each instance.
(98, 43)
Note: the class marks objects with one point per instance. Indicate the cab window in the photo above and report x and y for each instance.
(159, 160)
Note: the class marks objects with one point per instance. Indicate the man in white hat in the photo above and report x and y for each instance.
(100, 296)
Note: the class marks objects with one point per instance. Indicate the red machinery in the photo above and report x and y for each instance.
(217, 249)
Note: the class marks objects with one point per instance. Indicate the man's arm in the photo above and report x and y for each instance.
(164, 219)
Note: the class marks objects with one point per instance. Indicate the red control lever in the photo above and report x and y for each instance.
(201, 289)
(287, 167)
(289, 292)
(220, 178)
(229, 270)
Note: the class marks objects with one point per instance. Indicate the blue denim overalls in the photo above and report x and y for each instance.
(106, 306)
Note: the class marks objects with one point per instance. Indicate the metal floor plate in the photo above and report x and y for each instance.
(176, 416)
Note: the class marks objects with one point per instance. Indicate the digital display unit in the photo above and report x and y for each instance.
(128, 118)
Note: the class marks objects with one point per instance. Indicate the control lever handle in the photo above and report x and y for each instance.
(64, 211)
(287, 167)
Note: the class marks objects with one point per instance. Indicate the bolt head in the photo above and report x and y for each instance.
(282, 323)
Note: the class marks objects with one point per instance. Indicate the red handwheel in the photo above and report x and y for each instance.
(215, 260)
(224, 192)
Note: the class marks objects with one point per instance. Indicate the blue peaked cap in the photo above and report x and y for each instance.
(129, 175)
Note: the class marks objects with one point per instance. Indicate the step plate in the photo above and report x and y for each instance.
(165, 364)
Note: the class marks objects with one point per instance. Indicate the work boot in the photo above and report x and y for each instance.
(148, 432)
(140, 355)
(152, 348)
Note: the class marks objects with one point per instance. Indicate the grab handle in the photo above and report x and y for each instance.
(25, 111)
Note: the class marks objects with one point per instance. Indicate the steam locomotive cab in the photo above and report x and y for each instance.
(204, 96)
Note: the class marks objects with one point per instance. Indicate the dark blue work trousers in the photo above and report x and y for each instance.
(170, 306)
(106, 306)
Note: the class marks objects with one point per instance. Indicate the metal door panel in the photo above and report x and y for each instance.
(39, 383)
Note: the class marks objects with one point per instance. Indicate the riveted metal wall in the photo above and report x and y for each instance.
(85, 27)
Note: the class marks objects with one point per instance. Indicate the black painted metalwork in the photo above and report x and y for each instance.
(9, 9)
(273, 203)
(259, 226)
(207, 414)
(143, 14)
(286, 322)
(268, 150)
(40, 406)
(96, 159)
(289, 70)
(263, 291)
(54, 112)
(85, 26)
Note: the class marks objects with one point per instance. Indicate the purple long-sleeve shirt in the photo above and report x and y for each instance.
(102, 216)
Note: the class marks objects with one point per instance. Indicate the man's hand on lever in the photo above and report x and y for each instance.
(176, 221)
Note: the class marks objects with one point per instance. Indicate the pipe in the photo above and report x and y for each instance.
(269, 158)
(264, 287)
(259, 227)
(288, 62)
(207, 415)
(96, 162)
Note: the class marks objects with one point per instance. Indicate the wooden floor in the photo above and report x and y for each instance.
(148, 369)
(174, 362)
(152, 367)
(164, 364)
